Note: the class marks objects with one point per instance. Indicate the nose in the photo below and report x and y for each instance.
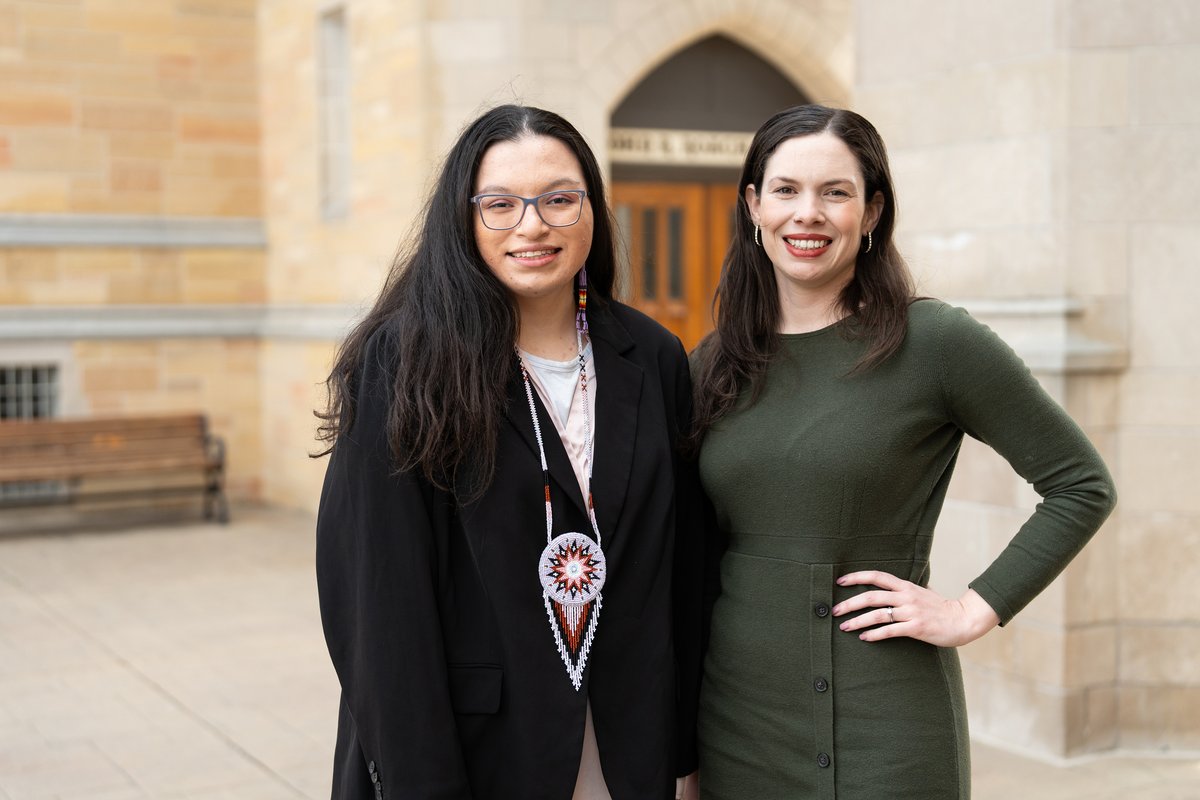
(808, 208)
(531, 221)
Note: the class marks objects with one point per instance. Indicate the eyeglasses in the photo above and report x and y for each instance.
(503, 212)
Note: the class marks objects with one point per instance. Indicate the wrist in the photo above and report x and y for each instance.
(980, 616)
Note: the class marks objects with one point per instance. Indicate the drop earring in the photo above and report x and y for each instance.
(869, 243)
(756, 241)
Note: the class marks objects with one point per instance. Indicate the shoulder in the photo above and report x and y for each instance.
(928, 314)
(377, 364)
(966, 353)
(703, 354)
(934, 323)
(373, 387)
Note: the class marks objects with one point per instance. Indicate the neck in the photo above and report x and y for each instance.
(547, 327)
(804, 311)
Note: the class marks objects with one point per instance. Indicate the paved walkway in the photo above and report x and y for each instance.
(182, 660)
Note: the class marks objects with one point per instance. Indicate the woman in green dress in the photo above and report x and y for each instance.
(831, 404)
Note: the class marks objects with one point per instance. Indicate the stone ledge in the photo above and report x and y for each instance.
(1043, 333)
(42, 323)
(119, 230)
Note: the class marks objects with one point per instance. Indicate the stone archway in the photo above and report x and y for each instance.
(676, 145)
(811, 45)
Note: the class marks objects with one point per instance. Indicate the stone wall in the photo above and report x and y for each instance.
(131, 108)
(1045, 154)
(129, 178)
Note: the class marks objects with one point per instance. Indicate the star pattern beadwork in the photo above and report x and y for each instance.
(572, 569)
(575, 569)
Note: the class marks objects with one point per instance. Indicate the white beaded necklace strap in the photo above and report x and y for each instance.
(537, 433)
(588, 442)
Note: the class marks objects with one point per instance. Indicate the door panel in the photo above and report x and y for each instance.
(676, 235)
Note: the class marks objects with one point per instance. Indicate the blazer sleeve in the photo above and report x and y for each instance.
(992, 396)
(377, 578)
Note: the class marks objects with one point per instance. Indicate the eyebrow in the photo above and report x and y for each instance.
(561, 183)
(834, 182)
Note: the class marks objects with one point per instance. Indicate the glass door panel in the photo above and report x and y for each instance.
(675, 235)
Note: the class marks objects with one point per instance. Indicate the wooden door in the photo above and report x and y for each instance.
(676, 235)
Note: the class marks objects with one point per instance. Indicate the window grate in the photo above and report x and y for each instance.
(29, 391)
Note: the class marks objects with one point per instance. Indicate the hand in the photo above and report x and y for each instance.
(916, 612)
(688, 788)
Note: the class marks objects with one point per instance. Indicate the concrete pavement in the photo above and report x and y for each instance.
(177, 660)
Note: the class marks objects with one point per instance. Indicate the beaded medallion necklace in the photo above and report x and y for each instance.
(571, 568)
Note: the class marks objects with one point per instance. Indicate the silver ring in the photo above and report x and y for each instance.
(891, 617)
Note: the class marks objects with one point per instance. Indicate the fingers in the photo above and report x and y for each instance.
(872, 577)
(865, 600)
(887, 632)
(876, 616)
(918, 613)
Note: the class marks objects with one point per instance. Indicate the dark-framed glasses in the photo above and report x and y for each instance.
(558, 209)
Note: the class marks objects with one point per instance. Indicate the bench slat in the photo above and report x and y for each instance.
(49, 472)
(29, 455)
(118, 447)
(14, 432)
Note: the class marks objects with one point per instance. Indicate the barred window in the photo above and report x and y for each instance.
(28, 391)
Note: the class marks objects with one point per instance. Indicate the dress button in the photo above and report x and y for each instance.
(822, 610)
(820, 684)
(822, 760)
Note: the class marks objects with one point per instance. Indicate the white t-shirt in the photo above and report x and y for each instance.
(557, 384)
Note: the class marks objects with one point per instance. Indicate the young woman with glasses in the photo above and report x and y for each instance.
(505, 551)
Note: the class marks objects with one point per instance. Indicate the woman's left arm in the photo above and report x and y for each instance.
(990, 393)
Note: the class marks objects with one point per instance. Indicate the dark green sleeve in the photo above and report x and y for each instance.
(992, 396)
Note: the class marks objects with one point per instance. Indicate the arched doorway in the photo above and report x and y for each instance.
(676, 145)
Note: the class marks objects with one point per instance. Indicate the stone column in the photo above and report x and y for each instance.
(1046, 159)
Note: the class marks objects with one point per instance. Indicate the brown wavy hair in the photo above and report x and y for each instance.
(735, 356)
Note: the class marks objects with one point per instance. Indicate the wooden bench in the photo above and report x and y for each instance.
(127, 456)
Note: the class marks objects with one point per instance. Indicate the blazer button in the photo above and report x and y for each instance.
(820, 684)
(822, 610)
(371, 767)
(822, 760)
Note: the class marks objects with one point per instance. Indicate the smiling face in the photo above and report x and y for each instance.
(813, 212)
(534, 261)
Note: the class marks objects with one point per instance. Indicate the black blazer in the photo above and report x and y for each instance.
(452, 686)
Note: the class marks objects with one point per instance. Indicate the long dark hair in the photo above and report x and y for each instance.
(451, 322)
(875, 302)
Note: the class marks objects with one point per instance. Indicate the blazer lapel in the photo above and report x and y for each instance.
(618, 397)
(561, 472)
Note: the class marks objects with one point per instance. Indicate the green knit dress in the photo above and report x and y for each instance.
(829, 473)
